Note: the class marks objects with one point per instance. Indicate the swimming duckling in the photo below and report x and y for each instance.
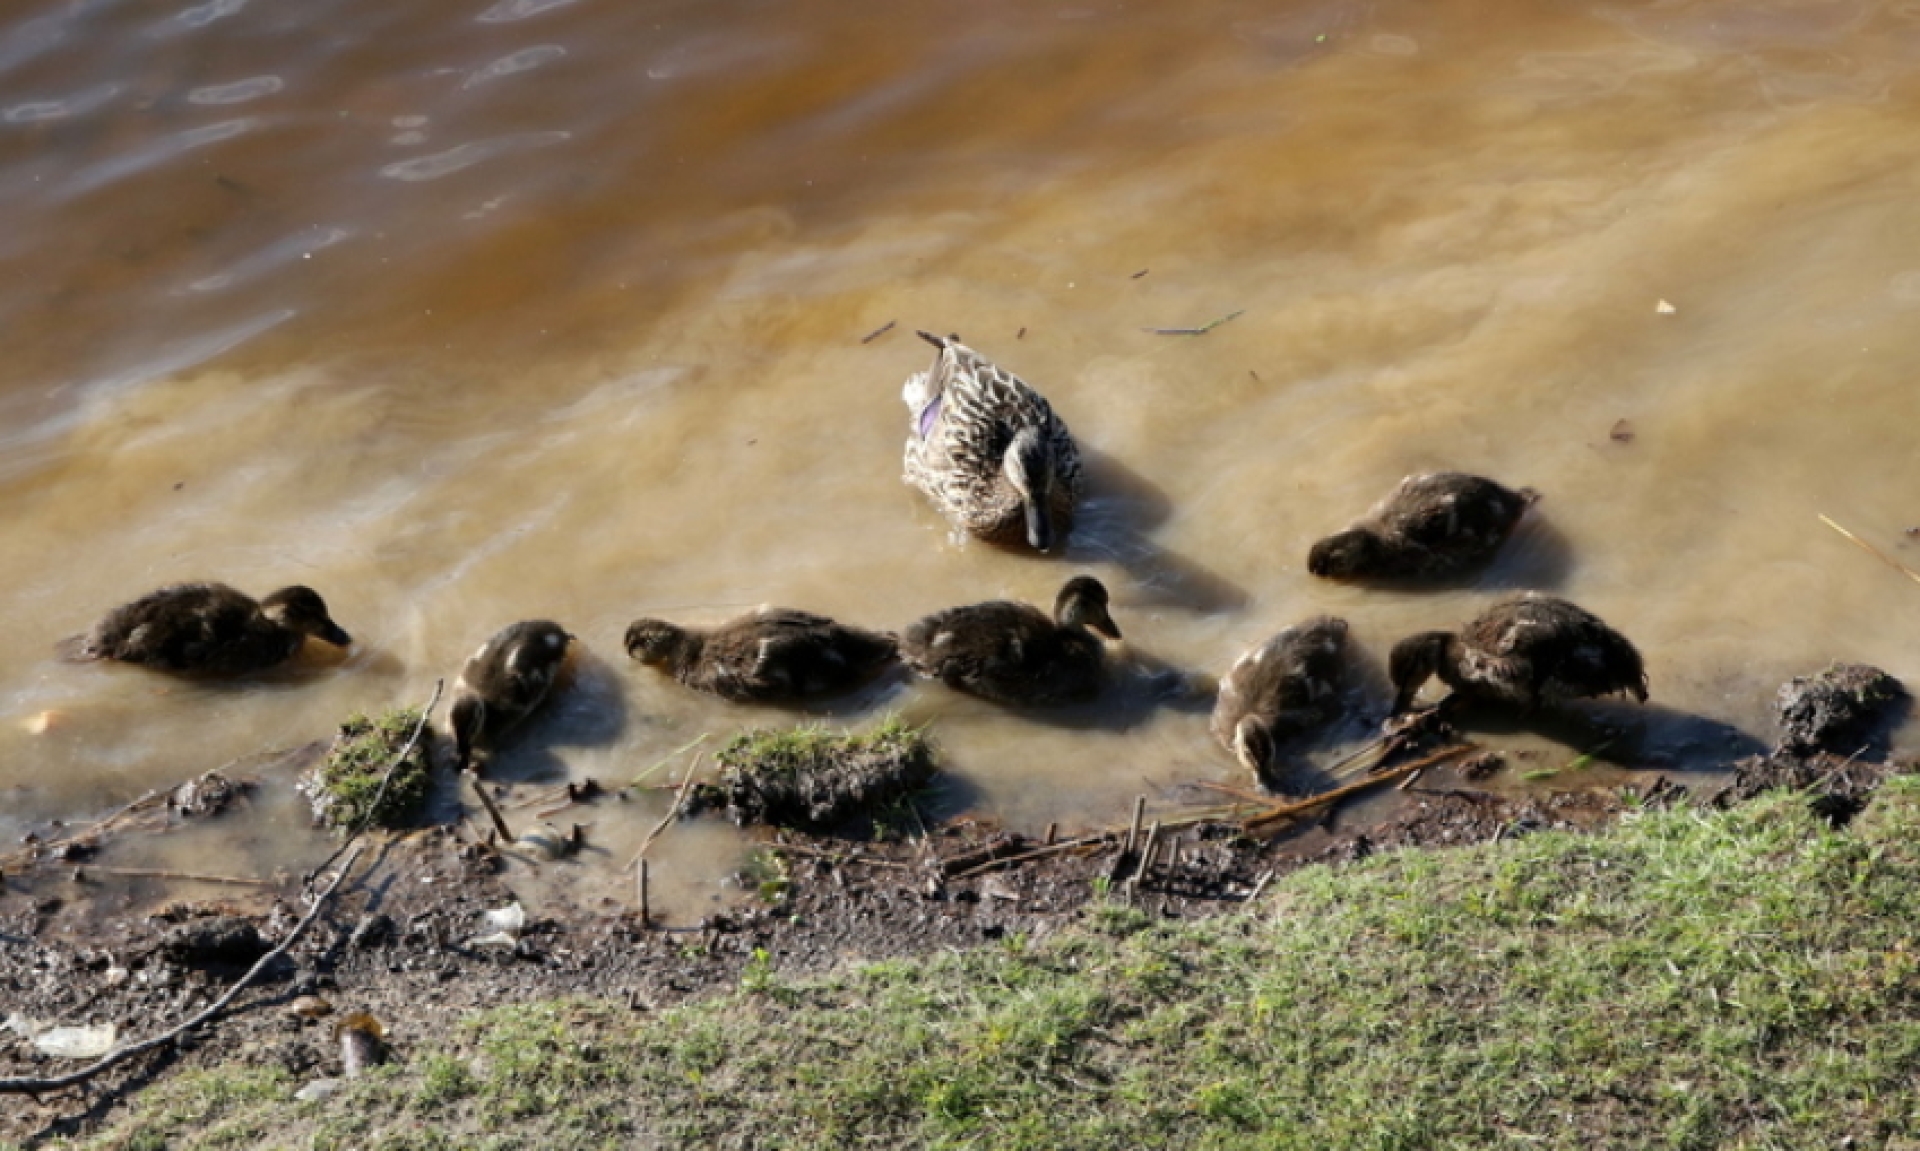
(1431, 526)
(988, 450)
(502, 683)
(1525, 651)
(212, 628)
(1285, 687)
(766, 656)
(1012, 653)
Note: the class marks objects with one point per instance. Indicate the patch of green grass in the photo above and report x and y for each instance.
(813, 777)
(344, 787)
(1690, 979)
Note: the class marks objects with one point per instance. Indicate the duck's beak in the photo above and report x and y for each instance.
(1039, 525)
(336, 635)
(1103, 623)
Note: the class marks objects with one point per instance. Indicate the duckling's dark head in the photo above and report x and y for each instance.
(467, 717)
(1253, 747)
(1082, 602)
(1028, 467)
(655, 641)
(302, 609)
(1412, 660)
(1351, 554)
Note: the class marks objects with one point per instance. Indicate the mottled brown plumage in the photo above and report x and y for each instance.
(771, 655)
(1012, 653)
(212, 628)
(988, 450)
(1278, 691)
(1523, 652)
(503, 682)
(1430, 527)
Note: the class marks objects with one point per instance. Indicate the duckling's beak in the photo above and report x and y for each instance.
(336, 635)
(1103, 623)
(1039, 525)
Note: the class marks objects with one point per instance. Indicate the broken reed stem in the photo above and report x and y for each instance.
(679, 801)
(646, 912)
(1260, 885)
(1133, 830)
(1875, 552)
(1096, 840)
(121, 1055)
(1287, 811)
(1146, 856)
(150, 873)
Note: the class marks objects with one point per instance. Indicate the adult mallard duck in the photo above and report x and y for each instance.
(767, 656)
(1012, 652)
(1430, 527)
(504, 681)
(988, 450)
(1284, 688)
(212, 628)
(1524, 651)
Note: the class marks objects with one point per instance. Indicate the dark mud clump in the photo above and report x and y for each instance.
(347, 787)
(220, 940)
(1841, 709)
(812, 779)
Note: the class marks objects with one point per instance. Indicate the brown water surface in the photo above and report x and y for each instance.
(468, 312)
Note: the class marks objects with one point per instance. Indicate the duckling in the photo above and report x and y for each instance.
(1524, 651)
(1285, 687)
(766, 656)
(504, 681)
(1012, 653)
(988, 450)
(1430, 527)
(211, 628)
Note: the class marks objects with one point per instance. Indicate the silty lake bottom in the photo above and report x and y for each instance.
(467, 313)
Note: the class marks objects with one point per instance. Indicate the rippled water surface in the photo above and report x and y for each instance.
(465, 313)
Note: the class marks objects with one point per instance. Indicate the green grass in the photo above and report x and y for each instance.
(344, 786)
(1745, 979)
(814, 777)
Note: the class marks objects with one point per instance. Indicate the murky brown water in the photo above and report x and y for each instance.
(465, 313)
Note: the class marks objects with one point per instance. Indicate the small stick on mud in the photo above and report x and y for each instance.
(493, 809)
(1133, 830)
(679, 801)
(122, 1054)
(646, 913)
(839, 857)
(1096, 840)
(149, 873)
(1053, 832)
(1260, 885)
(882, 330)
(1141, 868)
(1875, 552)
(1288, 811)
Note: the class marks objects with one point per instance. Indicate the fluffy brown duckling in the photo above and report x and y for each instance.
(771, 655)
(1284, 688)
(1430, 527)
(1012, 653)
(212, 628)
(1523, 652)
(502, 684)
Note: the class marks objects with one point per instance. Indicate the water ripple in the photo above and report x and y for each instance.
(299, 246)
(238, 92)
(524, 60)
(508, 11)
(201, 15)
(35, 111)
(422, 168)
(157, 152)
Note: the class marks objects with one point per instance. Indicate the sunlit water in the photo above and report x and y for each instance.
(471, 312)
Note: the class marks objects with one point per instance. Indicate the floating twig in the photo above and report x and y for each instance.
(194, 877)
(679, 801)
(1202, 330)
(1875, 552)
(669, 758)
(1139, 274)
(1288, 811)
(493, 809)
(122, 1054)
(882, 330)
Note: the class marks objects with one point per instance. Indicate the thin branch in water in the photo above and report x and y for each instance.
(882, 330)
(188, 876)
(669, 758)
(1875, 552)
(1202, 330)
(679, 801)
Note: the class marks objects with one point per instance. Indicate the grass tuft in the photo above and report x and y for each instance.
(343, 787)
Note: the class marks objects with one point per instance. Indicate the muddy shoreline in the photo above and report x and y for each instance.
(405, 940)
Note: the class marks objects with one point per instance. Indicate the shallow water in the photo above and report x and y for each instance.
(471, 312)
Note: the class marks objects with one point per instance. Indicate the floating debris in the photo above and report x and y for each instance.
(811, 778)
(1664, 309)
(1202, 330)
(504, 924)
(347, 787)
(1622, 432)
(882, 330)
(210, 794)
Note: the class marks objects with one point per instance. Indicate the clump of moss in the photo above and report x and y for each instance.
(811, 778)
(344, 786)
